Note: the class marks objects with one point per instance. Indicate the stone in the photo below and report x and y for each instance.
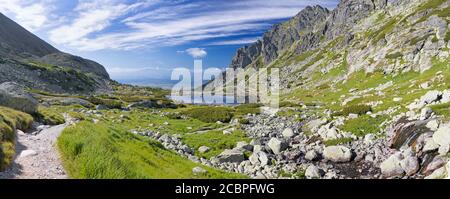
(443, 150)
(263, 158)
(277, 145)
(311, 155)
(430, 97)
(437, 174)
(288, 133)
(257, 148)
(203, 149)
(352, 116)
(338, 154)
(397, 99)
(199, 171)
(442, 135)
(230, 155)
(391, 167)
(445, 96)
(244, 145)
(314, 125)
(410, 165)
(15, 96)
(430, 145)
(27, 153)
(312, 172)
(426, 113)
(226, 132)
(101, 107)
(369, 139)
(433, 125)
(254, 159)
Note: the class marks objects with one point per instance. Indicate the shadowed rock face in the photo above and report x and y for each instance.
(56, 72)
(281, 37)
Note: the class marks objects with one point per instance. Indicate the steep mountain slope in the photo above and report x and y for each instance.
(371, 76)
(28, 60)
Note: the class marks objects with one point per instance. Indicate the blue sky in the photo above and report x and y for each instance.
(146, 39)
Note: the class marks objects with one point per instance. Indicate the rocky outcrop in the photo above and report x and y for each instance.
(281, 37)
(14, 96)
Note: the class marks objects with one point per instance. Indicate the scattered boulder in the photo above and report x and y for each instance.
(288, 133)
(430, 97)
(438, 174)
(203, 149)
(199, 171)
(244, 145)
(231, 155)
(101, 107)
(445, 96)
(312, 172)
(391, 167)
(410, 165)
(311, 155)
(433, 125)
(430, 145)
(426, 113)
(259, 157)
(442, 135)
(314, 125)
(27, 153)
(338, 154)
(15, 96)
(277, 145)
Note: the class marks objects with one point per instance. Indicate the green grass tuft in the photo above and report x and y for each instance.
(106, 151)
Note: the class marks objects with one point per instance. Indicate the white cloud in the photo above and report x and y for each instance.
(120, 25)
(234, 42)
(32, 15)
(196, 52)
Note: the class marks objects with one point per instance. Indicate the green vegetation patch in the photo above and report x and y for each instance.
(338, 141)
(363, 125)
(394, 55)
(210, 114)
(215, 140)
(105, 151)
(50, 116)
(442, 109)
(10, 120)
(354, 109)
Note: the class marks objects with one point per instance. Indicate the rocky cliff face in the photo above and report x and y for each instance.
(30, 61)
(280, 37)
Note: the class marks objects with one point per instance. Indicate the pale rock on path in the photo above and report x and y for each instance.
(37, 156)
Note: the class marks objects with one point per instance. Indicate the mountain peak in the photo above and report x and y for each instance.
(16, 41)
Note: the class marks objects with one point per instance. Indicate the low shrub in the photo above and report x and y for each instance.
(210, 114)
(10, 120)
(354, 109)
(110, 103)
(49, 116)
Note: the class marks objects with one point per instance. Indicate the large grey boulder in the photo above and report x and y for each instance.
(442, 135)
(277, 145)
(288, 133)
(312, 172)
(391, 167)
(338, 154)
(231, 155)
(15, 96)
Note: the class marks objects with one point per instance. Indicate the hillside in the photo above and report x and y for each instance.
(360, 82)
(30, 61)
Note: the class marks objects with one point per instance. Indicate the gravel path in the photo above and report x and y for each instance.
(37, 156)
